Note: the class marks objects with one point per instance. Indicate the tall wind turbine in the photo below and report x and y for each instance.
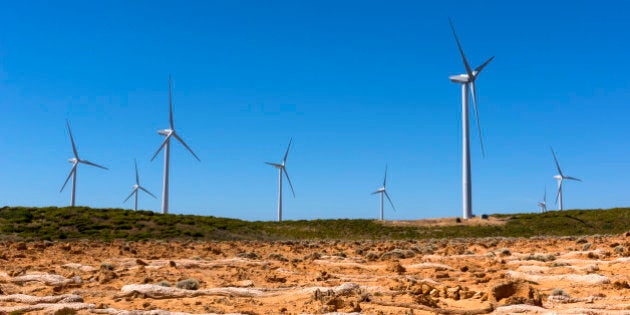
(75, 163)
(560, 177)
(467, 80)
(383, 191)
(282, 168)
(166, 144)
(137, 187)
(543, 203)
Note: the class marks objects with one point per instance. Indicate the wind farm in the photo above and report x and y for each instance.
(352, 100)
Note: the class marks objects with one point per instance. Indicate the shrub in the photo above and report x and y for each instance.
(540, 257)
(164, 283)
(586, 246)
(340, 254)
(620, 249)
(371, 256)
(65, 311)
(559, 292)
(313, 256)
(107, 266)
(504, 252)
(188, 284)
(277, 257)
(250, 255)
(398, 254)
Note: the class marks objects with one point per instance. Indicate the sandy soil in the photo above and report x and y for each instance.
(458, 276)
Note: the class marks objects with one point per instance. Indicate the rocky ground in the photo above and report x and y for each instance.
(565, 275)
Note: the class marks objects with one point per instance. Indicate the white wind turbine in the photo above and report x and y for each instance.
(467, 79)
(75, 163)
(282, 168)
(383, 191)
(137, 187)
(560, 177)
(166, 144)
(543, 203)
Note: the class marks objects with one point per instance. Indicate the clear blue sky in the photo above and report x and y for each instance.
(357, 84)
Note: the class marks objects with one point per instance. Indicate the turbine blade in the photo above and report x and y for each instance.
(74, 148)
(474, 95)
(93, 164)
(555, 159)
(135, 190)
(559, 191)
(161, 146)
(148, 192)
(137, 177)
(376, 192)
(273, 164)
(74, 168)
(483, 65)
(185, 145)
(390, 200)
(545, 196)
(287, 153)
(572, 178)
(289, 180)
(385, 178)
(170, 103)
(461, 51)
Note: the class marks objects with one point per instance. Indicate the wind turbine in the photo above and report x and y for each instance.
(467, 80)
(282, 168)
(137, 187)
(75, 163)
(383, 191)
(543, 203)
(560, 177)
(166, 144)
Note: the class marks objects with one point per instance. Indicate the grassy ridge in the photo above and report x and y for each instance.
(53, 223)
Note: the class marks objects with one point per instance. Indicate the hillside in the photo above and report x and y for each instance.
(53, 223)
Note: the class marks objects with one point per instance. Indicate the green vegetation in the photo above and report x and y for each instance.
(188, 284)
(22, 223)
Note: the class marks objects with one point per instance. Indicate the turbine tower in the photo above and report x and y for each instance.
(75, 163)
(543, 203)
(560, 177)
(166, 144)
(467, 80)
(383, 191)
(137, 187)
(282, 168)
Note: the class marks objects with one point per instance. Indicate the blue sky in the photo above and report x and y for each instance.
(357, 84)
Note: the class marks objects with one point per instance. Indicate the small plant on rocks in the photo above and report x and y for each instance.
(277, 257)
(559, 292)
(107, 266)
(188, 284)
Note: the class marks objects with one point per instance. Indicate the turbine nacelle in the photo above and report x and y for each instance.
(73, 160)
(463, 78)
(380, 190)
(165, 132)
(558, 177)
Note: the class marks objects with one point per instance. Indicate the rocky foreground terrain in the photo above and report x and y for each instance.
(563, 275)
